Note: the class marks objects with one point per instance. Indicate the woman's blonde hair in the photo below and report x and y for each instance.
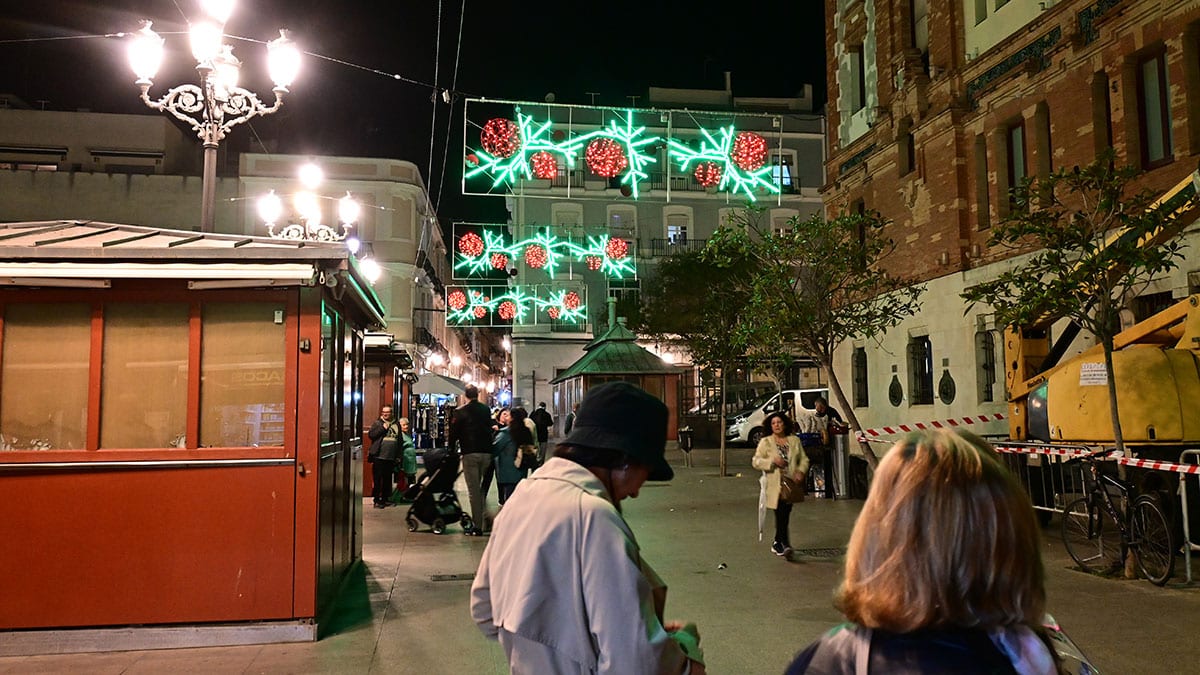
(947, 537)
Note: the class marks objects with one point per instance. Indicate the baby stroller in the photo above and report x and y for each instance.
(433, 499)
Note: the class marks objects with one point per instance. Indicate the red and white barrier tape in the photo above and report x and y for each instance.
(1156, 465)
(872, 435)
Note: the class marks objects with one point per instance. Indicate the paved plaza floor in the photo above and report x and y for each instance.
(406, 612)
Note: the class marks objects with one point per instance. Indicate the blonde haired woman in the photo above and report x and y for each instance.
(943, 572)
(779, 452)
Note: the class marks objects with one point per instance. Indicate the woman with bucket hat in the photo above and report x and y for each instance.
(562, 584)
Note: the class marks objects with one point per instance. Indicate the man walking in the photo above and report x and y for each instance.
(543, 421)
(385, 447)
(471, 428)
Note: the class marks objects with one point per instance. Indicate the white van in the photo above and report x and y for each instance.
(747, 426)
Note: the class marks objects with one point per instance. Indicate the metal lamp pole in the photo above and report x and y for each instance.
(218, 105)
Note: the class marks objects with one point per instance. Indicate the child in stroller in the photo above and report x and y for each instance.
(433, 499)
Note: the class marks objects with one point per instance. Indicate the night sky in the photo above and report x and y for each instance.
(523, 50)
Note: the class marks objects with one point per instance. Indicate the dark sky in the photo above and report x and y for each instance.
(521, 50)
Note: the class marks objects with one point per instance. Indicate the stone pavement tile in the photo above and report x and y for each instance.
(82, 664)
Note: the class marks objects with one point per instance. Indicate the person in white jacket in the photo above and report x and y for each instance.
(562, 584)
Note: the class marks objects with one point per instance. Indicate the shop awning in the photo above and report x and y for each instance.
(431, 383)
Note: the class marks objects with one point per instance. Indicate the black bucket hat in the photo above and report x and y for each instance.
(622, 416)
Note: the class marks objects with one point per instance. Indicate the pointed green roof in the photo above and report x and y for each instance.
(616, 353)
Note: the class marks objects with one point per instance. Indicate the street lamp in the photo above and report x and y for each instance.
(219, 104)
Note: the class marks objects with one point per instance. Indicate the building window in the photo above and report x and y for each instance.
(1191, 78)
(783, 163)
(1101, 112)
(920, 370)
(242, 368)
(782, 221)
(985, 356)
(677, 221)
(1001, 3)
(1015, 146)
(622, 220)
(858, 364)
(567, 214)
(858, 79)
(44, 392)
(1154, 112)
(981, 11)
(918, 12)
(906, 147)
(983, 216)
(145, 349)
(1146, 306)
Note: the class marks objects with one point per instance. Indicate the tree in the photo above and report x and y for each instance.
(697, 304)
(1097, 239)
(816, 284)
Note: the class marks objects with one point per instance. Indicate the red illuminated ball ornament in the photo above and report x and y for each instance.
(605, 157)
(572, 300)
(594, 262)
(501, 137)
(626, 191)
(470, 245)
(499, 261)
(473, 159)
(708, 174)
(544, 164)
(535, 256)
(457, 300)
(558, 135)
(616, 248)
(507, 310)
(480, 312)
(554, 312)
(749, 151)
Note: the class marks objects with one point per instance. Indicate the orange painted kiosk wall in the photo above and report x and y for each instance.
(179, 431)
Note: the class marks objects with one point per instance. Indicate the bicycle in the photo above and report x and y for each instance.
(1098, 532)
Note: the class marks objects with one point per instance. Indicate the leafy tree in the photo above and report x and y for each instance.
(696, 303)
(1097, 239)
(816, 284)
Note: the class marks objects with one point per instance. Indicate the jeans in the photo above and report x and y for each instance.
(783, 513)
(475, 464)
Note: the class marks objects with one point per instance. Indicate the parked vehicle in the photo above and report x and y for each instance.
(747, 425)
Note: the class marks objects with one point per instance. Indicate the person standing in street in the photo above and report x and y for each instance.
(600, 610)
(471, 429)
(543, 421)
(570, 421)
(779, 452)
(408, 455)
(385, 446)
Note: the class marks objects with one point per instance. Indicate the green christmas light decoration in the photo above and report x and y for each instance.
(476, 255)
(481, 306)
(740, 158)
(604, 156)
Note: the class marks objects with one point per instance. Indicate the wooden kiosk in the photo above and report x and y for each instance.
(179, 429)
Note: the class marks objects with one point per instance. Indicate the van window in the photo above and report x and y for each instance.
(808, 399)
(789, 404)
(772, 405)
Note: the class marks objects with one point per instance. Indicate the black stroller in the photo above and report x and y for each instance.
(433, 499)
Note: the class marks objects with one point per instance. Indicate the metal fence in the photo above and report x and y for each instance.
(1048, 474)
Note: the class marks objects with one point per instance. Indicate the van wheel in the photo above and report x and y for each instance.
(756, 435)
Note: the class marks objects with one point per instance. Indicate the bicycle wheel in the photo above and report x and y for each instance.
(1151, 540)
(1091, 537)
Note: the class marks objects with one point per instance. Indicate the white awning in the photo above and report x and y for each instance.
(294, 272)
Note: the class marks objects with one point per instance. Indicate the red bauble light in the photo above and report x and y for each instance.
(605, 157)
(708, 174)
(572, 300)
(594, 262)
(558, 135)
(457, 300)
(626, 191)
(544, 164)
(749, 151)
(616, 248)
(507, 310)
(501, 137)
(535, 256)
(499, 261)
(473, 159)
(554, 312)
(480, 312)
(470, 245)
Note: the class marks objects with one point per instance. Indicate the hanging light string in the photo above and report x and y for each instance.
(451, 99)
(437, 57)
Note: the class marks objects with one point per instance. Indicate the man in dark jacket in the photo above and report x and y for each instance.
(543, 421)
(472, 430)
(385, 447)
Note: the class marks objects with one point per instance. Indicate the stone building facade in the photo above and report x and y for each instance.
(938, 108)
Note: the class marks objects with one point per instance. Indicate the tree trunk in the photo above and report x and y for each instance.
(721, 427)
(1118, 436)
(848, 410)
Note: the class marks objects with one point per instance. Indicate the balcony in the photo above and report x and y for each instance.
(664, 247)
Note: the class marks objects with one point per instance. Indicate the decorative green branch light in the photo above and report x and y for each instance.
(736, 163)
(482, 306)
(477, 255)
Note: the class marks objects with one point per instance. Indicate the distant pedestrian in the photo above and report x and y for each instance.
(504, 454)
(570, 422)
(778, 453)
(471, 429)
(385, 447)
(408, 455)
(600, 609)
(943, 570)
(542, 421)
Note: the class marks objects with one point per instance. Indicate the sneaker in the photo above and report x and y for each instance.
(779, 549)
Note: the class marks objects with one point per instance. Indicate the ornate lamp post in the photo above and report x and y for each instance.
(218, 104)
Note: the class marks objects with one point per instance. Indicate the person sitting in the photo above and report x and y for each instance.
(943, 572)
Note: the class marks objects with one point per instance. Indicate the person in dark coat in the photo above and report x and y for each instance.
(543, 421)
(471, 429)
(385, 448)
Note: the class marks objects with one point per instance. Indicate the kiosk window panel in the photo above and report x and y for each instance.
(242, 375)
(143, 399)
(44, 392)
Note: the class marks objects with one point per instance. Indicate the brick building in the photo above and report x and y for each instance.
(937, 108)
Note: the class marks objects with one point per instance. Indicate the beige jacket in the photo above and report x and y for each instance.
(764, 460)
